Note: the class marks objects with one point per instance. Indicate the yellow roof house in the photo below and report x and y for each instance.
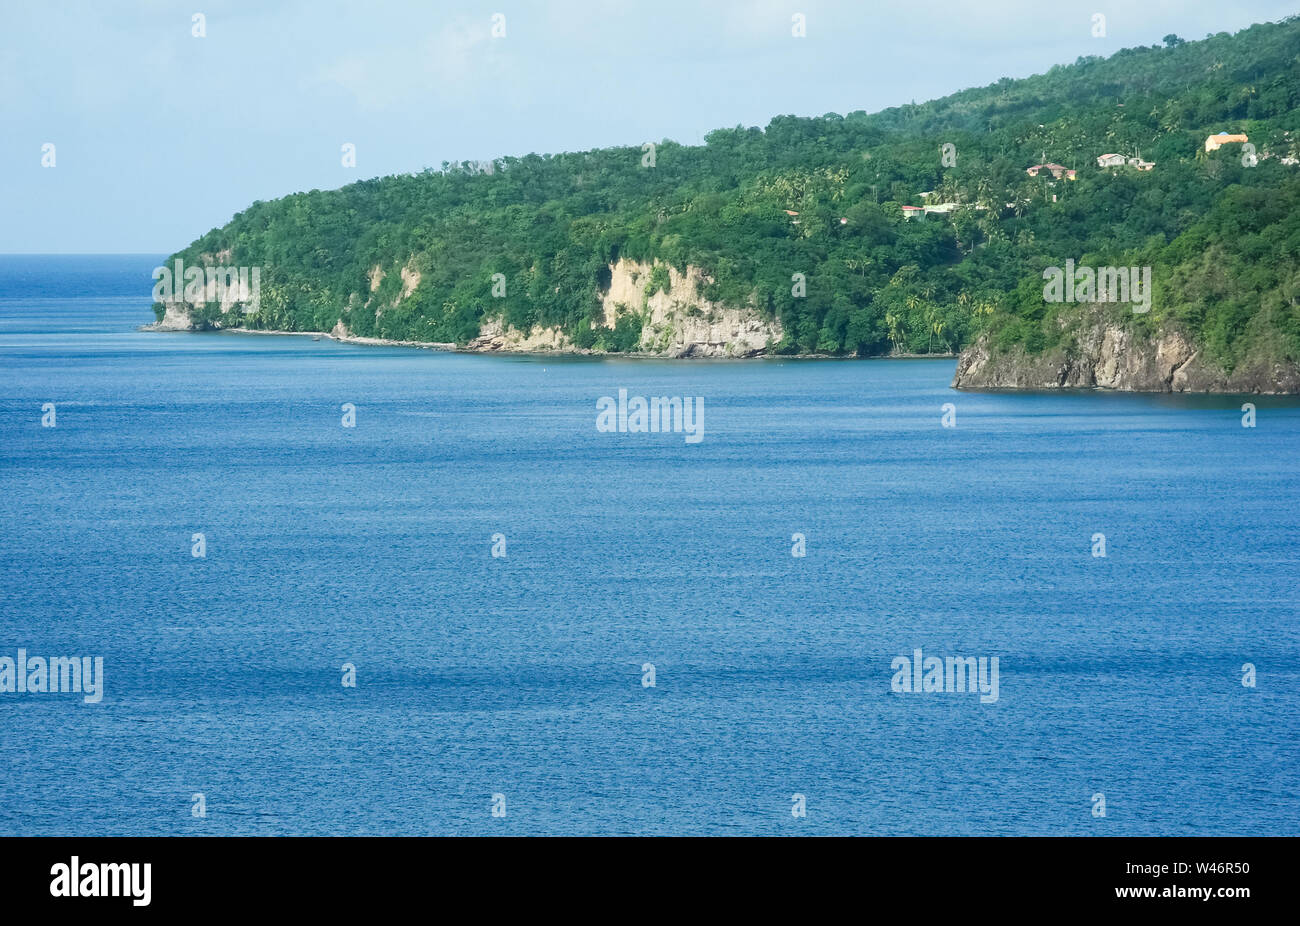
(1214, 142)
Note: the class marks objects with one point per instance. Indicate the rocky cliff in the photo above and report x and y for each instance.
(1104, 354)
(176, 317)
(678, 321)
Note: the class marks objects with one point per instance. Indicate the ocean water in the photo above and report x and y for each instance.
(522, 676)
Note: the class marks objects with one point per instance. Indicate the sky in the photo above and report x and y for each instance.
(160, 135)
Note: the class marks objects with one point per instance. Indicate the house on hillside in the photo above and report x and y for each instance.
(1056, 170)
(945, 208)
(1215, 142)
(913, 212)
(1118, 160)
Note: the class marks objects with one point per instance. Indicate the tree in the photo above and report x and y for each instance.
(894, 325)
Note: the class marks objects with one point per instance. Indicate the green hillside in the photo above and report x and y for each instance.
(1222, 237)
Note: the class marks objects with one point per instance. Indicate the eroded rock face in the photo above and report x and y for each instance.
(494, 335)
(1106, 355)
(681, 322)
(176, 317)
(678, 323)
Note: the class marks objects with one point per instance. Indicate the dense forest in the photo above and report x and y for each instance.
(1220, 229)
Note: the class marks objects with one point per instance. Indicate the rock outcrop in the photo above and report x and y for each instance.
(679, 321)
(1106, 355)
(495, 335)
(176, 317)
(676, 322)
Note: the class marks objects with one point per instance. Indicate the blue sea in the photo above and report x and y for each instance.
(519, 682)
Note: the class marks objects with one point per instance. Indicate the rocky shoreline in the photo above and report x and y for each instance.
(344, 339)
(1105, 355)
(477, 346)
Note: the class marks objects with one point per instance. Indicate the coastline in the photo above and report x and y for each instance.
(1106, 357)
(994, 378)
(318, 335)
(452, 348)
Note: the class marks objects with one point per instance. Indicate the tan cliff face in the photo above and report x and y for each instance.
(177, 313)
(410, 280)
(678, 323)
(176, 317)
(495, 335)
(1106, 355)
(681, 322)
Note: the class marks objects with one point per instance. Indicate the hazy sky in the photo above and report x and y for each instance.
(159, 135)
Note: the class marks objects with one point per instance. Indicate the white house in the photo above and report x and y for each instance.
(1118, 160)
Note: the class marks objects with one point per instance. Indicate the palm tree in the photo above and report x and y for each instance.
(913, 303)
(895, 332)
(854, 263)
